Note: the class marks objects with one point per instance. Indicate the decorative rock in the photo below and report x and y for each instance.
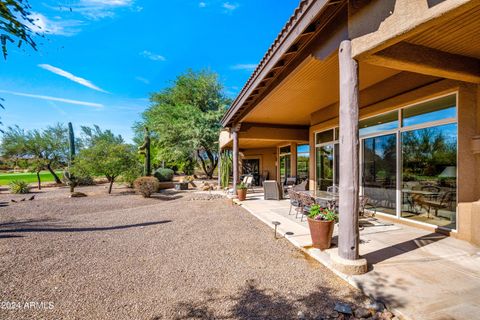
(343, 308)
(386, 315)
(334, 314)
(362, 313)
(77, 195)
(300, 315)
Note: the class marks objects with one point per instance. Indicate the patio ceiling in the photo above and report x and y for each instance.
(311, 86)
(450, 48)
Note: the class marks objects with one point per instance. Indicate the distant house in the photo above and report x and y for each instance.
(417, 94)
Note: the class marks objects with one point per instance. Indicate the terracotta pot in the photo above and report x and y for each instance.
(242, 194)
(321, 233)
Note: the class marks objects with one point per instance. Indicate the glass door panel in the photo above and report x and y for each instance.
(379, 170)
(285, 167)
(429, 177)
(325, 166)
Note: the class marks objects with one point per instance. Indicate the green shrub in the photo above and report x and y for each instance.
(146, 186)
(19, 187)
(163, 175)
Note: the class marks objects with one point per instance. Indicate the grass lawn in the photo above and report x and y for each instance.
(45, 176)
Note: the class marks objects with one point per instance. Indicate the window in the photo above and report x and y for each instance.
(323, 137)
(430, 111)
(429, 175)
(327, 159)
(303, 159)
(409, 162)
(285, 163)
(383, 122)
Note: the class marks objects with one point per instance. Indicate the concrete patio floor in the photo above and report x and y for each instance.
(418, 274)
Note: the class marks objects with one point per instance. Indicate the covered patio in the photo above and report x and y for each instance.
(417, 273)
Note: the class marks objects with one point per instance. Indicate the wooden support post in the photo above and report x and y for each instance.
(235, 130)
(348, 233)
(219, 168)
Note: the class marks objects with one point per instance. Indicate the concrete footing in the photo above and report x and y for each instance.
(350, 267)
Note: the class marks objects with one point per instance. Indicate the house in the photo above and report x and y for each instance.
(380, 98)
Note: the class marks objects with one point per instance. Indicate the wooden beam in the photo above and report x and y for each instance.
(348, 233)
(420, 59)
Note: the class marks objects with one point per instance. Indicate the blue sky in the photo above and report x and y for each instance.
(100, 59)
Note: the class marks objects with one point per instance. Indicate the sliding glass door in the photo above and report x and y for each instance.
(379, 171)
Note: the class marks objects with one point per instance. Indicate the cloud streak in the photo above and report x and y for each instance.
(152, 56)
(49, 98)
(246, 67)
(71, 77)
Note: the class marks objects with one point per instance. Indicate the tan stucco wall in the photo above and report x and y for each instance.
(267, 156)
(468, 180)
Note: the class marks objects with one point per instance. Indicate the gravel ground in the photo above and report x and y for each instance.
(176, 256)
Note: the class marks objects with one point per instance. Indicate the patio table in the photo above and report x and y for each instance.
(322, 195)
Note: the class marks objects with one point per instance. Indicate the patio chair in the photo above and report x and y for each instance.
(363, 202)
(332, 189)
(307, 201)
(302, 186)
(272, 190)
(294, 201)
(248, 182)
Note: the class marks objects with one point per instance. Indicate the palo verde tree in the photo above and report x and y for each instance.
(47, 149)
(185, 119)
(105, 155)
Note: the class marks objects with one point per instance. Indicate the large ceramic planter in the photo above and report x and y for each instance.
(321, 233)
(242, 194)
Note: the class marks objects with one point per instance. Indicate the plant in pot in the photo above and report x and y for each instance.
(241, 191)
(321, 222)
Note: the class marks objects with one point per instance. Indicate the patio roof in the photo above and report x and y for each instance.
(286, 52)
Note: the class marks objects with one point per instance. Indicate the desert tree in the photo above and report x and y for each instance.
(185, 118)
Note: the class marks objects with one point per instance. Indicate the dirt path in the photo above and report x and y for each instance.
(174, 257)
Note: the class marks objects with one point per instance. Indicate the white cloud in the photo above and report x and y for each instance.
(42, 24)
(152, 56)
(98, 9)
(229, 7)
(72, 77)
(247, 67)
(202, 4)
(49, 98)
(142, 79)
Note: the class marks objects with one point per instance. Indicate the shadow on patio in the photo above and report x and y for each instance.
(411, 269)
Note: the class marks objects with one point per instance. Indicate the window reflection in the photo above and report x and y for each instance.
(303, 157)
(429, 175)
(439, 109)
(380, 172)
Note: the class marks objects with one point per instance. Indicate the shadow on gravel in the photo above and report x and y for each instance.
(165, 197)
(252, 302)
(86, 229)
(8, 236)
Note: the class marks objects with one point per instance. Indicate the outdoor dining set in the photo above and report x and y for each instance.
(302, 199)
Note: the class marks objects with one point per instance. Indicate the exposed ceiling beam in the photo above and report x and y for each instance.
(419, 59)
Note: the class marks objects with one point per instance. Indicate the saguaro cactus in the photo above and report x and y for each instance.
(69, 177)
(145, 150)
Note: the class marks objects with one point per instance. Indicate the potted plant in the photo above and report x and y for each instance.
(321, 222)
(241, 191)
